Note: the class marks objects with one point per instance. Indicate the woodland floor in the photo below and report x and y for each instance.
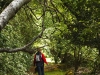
(54, 69)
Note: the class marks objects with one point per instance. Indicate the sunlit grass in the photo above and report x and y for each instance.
(55, 73)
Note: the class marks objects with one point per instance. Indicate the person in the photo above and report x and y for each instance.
(39, 60)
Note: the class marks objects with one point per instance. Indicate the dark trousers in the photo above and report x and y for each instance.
(40, 70)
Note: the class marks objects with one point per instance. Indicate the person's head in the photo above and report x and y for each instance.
(38, 49)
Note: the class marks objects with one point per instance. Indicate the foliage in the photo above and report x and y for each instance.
(83, 22)
(14, 63)
(3, 4)
(71, 27)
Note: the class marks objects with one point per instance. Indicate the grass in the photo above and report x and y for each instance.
(55, 73)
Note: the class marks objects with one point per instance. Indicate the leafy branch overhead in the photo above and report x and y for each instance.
(10, 11)
(25, 47)
(77, 17)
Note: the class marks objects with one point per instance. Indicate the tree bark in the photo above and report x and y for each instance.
(10, 11)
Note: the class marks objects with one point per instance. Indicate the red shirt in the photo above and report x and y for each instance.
(43, 58)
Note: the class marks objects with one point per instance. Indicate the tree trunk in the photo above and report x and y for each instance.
(10, 11)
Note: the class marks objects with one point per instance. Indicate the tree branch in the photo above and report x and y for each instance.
(10, 11)
(24, 48)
